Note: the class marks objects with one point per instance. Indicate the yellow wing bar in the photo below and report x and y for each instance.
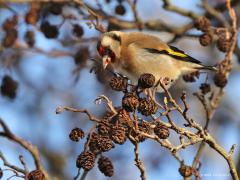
(174, 53)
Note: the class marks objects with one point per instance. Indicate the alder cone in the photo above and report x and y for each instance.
(10, 23)
(50, 31)
(120, 9)
(36, 175)
(220, 80)
(93, 143)
(32, 17)
(118, 134)
(146, 81)
(99, 143)
(185, 171)
(30, 38)
(10, 38)
(130, 102)
(76, 134)
(56, 8)
(223, 44)
(86, 160)
(205, 39)
(78, 30)
(192, 77)
(202, 23)
(103, 127)
(147, 107)
(9, 87)
(161, 131)
(205, 88)
(142, 127)
(105, 166)
(104, 143)
(119, 83)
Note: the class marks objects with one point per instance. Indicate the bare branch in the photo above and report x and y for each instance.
(28, 146)
(67, 108)
(6, 163)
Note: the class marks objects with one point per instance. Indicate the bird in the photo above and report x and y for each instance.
(132, 54)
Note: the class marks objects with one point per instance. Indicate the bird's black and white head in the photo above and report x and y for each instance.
(109, 47)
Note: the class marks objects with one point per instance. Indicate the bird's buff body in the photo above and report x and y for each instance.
(136, 53)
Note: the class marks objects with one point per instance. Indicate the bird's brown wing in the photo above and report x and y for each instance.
(153, 44)
(142, 40)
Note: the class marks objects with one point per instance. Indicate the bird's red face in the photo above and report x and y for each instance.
(108, 56)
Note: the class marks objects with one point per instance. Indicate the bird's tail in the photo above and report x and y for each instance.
(211, 68)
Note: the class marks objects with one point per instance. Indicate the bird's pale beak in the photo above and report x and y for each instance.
(106, 60)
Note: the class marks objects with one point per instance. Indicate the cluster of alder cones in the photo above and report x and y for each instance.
(126, 124)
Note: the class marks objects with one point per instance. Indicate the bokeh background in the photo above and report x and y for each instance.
(47, 80)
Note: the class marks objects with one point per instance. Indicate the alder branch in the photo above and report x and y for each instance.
(6, 163)
(215, 102)
(212, 11)
(193, 138)
(170, 7)
(138, 162)
(28, 146)
(135, 12)
(67, 108)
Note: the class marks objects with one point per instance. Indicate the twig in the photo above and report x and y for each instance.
(28, 146)
(135, 12)
(209, 113)
(109, 103)
(78, 174)
(23, 163)
(84, 175)
(216, 101)
(198, 154)
(215, 13)
(97, 17)
(67, 108)
(170, 7)
(227, 156)
(139, 163)
(6, 163)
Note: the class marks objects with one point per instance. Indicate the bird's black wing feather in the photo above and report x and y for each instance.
(175, 53)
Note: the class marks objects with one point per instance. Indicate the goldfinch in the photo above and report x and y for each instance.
(135, 53)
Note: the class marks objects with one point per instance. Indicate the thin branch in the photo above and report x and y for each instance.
(209, 113)
(28, 146)
(78, 174)
(95, 15)
(135, 12)
(215, 13)
(84, 175)
(138, 162)
(227, 156)
(23, 163)
(170, 7)
(67, 108)
(99, 99)
(6, 163)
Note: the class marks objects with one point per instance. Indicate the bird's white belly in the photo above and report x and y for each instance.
(158, 65)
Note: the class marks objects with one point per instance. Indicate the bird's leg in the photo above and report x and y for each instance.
(150, 93)
(147, 92)
(158, 104)
(153, 94)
